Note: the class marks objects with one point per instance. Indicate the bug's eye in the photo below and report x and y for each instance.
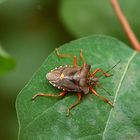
(53, 76)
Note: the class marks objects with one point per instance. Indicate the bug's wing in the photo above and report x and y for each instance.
(69, 85)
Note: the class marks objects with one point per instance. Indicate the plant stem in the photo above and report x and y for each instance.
(131, 36)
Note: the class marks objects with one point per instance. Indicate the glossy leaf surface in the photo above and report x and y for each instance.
(45, 118)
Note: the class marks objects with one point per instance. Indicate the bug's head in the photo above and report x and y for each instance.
(93, 81)
(53, 76)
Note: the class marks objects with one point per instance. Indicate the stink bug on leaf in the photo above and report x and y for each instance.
(74, 78)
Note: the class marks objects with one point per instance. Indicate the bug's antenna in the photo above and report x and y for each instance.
(113, 66)
(111, 69)
(100, 86)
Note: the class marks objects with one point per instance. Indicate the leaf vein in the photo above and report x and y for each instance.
(117, 91)
(38, 116)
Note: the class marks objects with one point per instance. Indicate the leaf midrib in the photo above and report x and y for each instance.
(117, 91)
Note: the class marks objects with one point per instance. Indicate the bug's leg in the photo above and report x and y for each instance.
(103, 72)
(49, 95)
(104, 99)
(73, 105)
(75, 60)
(61, 55)
(81, 57)
(66, 55)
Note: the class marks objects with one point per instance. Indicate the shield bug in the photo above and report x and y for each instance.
(74, 78)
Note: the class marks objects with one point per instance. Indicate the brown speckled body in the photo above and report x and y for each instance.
(70, 78)
(74, 78)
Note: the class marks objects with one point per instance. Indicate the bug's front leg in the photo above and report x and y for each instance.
(49, 95)
(103, 72)
(73, 105)
(66, 55)
(104, 99)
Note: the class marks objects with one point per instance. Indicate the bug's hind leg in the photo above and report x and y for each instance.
(61, 55)
(104, 99)
(75, 104)
(66, 55)
(82, 57)
(48, 95)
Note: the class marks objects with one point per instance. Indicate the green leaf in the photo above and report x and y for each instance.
(45, 118)
(86, 17)
(6, 62)
(1, 1)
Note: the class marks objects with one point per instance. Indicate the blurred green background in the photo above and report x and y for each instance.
(31, 29)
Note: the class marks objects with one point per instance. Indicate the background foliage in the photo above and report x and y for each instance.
(82, 18)
(30, 30)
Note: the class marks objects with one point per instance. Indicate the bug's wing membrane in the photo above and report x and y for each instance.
(69, 85)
